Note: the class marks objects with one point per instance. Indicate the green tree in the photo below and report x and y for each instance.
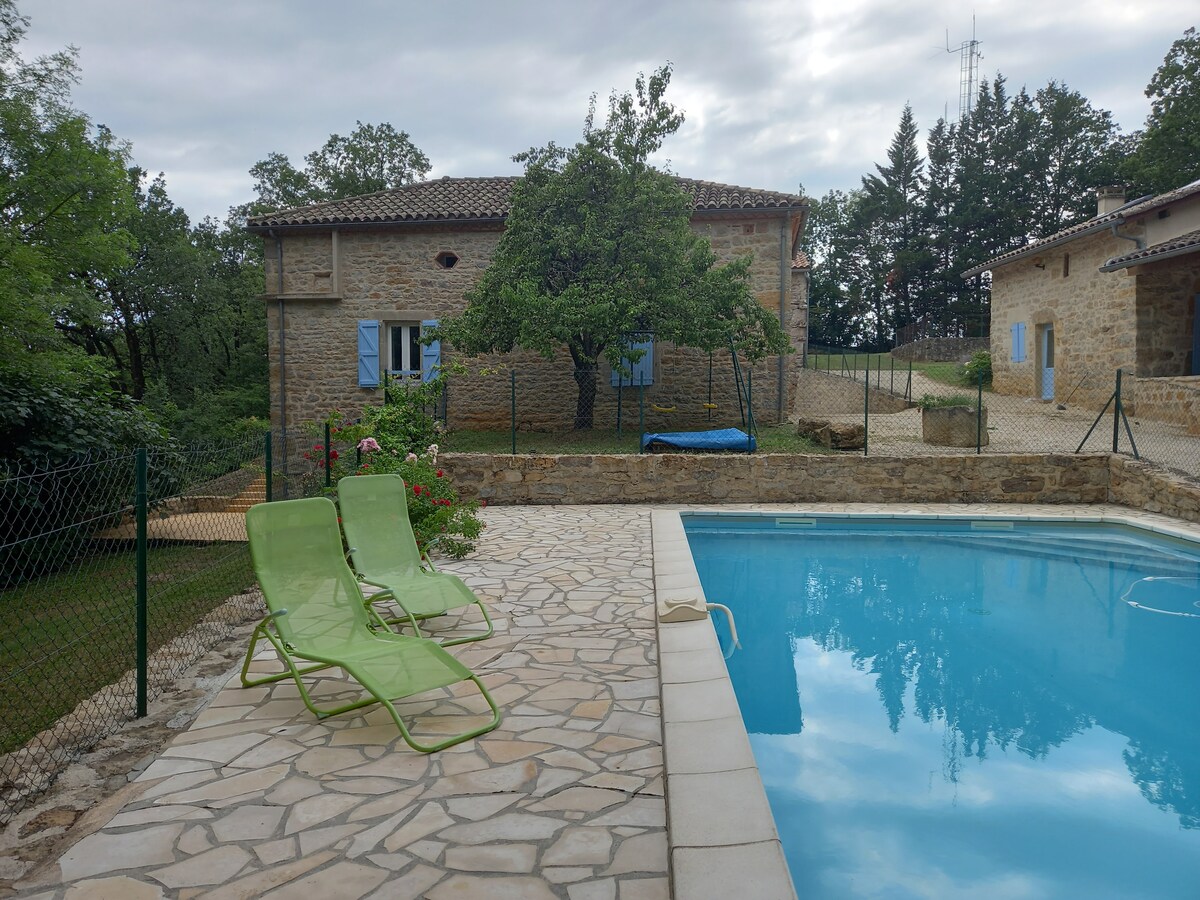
(1168, 153)
(63, 197)
(597, 248)
(892, 204)
(372, 158)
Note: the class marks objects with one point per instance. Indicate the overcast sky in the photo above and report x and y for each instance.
(776, 93)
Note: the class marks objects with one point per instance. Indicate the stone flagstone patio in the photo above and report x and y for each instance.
(563, 800)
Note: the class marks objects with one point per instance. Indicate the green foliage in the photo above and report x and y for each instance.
(597, 249)
(1019, 167)
(933, 401)
(400, 438)
(435, 509)
(372, 158)
(405, 422)
(978, 369)
(1168, 154)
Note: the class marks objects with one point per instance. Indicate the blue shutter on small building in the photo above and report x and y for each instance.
(642, 369)
(431, 353)
(368, 353)
(1018, 342)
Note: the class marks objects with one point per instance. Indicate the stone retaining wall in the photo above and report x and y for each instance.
(1143, 486)
(941, 349)
(781, 478)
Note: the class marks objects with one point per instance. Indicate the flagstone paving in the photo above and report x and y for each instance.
(563, 800)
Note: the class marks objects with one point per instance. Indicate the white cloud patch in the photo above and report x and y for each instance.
(775, 94)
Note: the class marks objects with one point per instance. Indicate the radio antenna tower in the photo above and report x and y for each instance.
(968, 71)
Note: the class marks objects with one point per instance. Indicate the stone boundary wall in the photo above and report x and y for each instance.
(941, 349)
(781, 478)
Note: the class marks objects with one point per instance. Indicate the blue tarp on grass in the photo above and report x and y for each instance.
(731, 439)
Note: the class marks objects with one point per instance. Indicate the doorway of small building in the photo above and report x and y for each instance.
(1046, 360)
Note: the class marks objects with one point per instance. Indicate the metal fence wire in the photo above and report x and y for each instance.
(83, 548)
(1152, 419)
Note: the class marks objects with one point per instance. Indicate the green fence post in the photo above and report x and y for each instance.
(1117, 413)
(512, 375)
(140, 623)
(866, 403)
(979, 416)
(620, 391)
(641, 411)
(908, 387)
(892, 383)
(749, 408)
(328, 457)
(267, 441)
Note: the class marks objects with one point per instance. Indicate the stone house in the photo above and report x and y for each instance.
(1118, 291)
(350, 284)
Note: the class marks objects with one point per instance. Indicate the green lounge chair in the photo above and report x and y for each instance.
(318, 614)
(384, 552)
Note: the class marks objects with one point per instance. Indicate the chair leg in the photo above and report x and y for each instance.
(491, 629)
(450, 741)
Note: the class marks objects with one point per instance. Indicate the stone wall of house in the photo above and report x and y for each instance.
(780, 478)
(394, 275)
(1166, 310)
(1172, 400)
(1093, 314)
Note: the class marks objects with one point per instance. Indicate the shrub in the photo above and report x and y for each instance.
(980, 366)
(931, 401)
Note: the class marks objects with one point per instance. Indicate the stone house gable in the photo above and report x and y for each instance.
(1118, 291)
(371, 271)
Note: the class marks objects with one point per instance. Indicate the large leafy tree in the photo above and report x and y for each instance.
(63, 196)
(1168, 153)
(597, 249)
(371, 158)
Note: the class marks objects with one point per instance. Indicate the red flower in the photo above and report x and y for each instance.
(483, 502)
(365, 466)
(333, 454)
(417, 489)
(439, 473)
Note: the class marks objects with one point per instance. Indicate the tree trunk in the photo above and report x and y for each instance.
(585, 403)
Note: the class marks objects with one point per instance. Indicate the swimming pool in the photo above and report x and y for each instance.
(968, 708)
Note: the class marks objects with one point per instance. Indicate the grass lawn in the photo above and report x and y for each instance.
(65, 636)
(884, 368)
(771, 439)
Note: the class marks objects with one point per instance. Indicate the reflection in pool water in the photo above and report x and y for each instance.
(941, 712)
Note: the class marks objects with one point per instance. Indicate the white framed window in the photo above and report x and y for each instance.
(402, 349)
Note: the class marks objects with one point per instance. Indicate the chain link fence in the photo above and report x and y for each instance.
(549, 409)
(117, 574)
(909, 408)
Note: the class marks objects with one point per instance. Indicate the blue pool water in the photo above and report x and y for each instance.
(941, 709)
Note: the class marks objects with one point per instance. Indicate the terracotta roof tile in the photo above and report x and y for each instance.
(1177, 246)
(1099, 223)
(801, 260)
(482, 199)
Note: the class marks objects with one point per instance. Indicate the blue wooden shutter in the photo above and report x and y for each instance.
(368, 353)
(1018, 342)
(644, 367)
(431, 354)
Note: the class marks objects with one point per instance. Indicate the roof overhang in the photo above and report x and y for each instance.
(1171, 250)
(1041, 246)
